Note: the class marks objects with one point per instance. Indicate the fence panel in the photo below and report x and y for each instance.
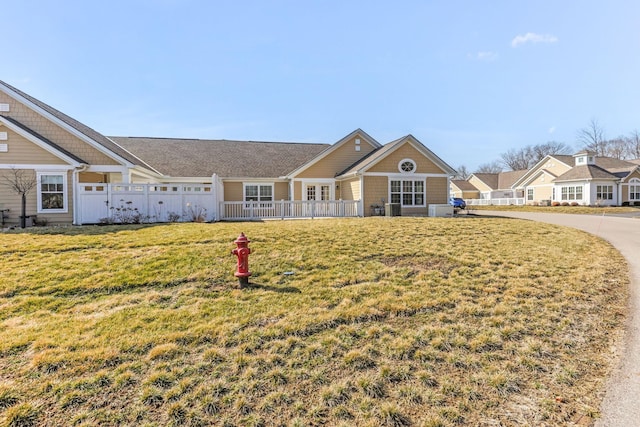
(145, 202)
(496, 202)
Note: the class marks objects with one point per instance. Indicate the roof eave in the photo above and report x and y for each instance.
(76, 162)
(104, 150)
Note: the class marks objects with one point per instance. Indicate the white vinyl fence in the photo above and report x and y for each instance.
(151, 203)
(129, 203)
(496, 202)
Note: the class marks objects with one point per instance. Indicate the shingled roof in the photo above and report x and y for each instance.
(507, 179)
(231, 159)
(464, 185)
(83, 129)
(490, 179)
(583, 172)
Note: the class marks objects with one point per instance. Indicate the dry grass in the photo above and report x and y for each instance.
(392, 321)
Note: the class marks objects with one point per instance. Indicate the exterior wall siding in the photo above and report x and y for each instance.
(13, 201)
(376, 189)
(93, 177)
(233, 192)
(542, 193)
(407, 151)
(542, 188)
(53, 132)
(437, 191)
(555, 167)
(22, 151)
(338, 160)
(479, 184)
(281, 191)
(350, 189)
(297, 190)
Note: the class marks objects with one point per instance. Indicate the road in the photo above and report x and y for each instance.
(621, 404)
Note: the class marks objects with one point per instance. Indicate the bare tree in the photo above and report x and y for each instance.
(633, 144)
(592, 138)
(22, 183)
(541, 151)
(462, 172)
(527, 157)
(617, 148)
(517, 159)
(493, 167)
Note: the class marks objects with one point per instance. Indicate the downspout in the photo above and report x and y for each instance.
(76, 198)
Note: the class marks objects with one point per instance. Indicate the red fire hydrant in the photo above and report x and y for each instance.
(242, 252)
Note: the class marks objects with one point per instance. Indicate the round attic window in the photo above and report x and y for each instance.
(407, 166)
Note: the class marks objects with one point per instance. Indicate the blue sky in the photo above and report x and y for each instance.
(469, 79)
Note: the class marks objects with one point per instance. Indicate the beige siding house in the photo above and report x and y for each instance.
(85, 177)
(582, 178)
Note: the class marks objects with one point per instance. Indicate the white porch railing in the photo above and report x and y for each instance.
(496, 202)
(288, 209)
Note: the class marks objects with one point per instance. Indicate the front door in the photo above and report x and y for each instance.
(320, 194)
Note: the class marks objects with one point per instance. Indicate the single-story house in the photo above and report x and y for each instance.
(82, 176)
(464, 189)
(582, 178)
(496, 185)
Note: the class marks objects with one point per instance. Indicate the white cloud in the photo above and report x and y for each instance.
(533, 38)
(486, 56)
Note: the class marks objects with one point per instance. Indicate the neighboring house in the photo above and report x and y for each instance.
(582, 178)
(496, 185)
(85, 177)
(464, 189)
(598, 181)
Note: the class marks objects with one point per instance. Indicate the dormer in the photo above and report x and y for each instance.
(585, 157)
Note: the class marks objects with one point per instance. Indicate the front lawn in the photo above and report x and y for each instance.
(378, 321)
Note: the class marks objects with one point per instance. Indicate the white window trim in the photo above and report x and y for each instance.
(320, 183)
(575, 193)
(530, 194)
(633, 182)
(605, 189)
(415, 166)
(262, 204)
(65, 192)
(408, 177)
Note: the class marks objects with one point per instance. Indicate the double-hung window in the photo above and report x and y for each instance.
(407, 192)
(52, 192)
(529, 193)
(604, 192)
(260, 193)
(634, 189)
(571, 193)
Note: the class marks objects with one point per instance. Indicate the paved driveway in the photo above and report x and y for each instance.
(621, 405)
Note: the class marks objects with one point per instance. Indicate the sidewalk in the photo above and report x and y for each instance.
(621, 404)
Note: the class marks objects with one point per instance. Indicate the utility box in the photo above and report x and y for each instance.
(441, 210)
(392, 209)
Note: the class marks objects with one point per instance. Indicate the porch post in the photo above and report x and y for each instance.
(214, 196)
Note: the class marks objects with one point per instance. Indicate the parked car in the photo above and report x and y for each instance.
(457, 203)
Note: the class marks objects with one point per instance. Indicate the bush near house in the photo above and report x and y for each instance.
(376, 320)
